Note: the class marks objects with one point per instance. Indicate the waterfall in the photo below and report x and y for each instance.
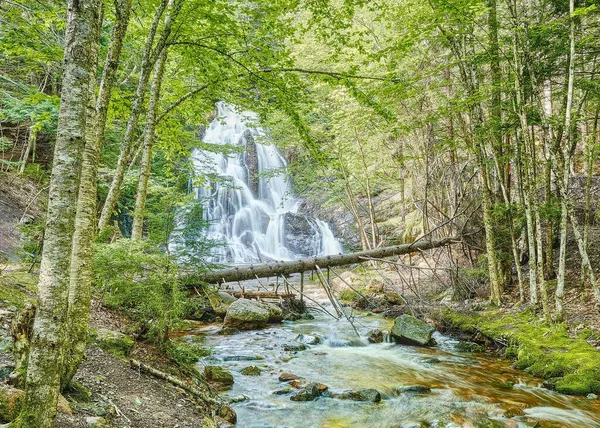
(247, 196)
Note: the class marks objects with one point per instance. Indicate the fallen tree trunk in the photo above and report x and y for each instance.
(264, 270)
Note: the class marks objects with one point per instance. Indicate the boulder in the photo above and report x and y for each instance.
(216, 374)
(310, 392)
(411, 331)
(220, 302)
(368, 394)
(250, 371)
(275, 312)
(244, 314)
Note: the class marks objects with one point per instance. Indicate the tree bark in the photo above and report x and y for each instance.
(297, 266)
(80, 283)
(45, 356)
(148, 60)
(142, 189)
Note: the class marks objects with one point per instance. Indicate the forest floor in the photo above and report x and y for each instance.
(114, 393)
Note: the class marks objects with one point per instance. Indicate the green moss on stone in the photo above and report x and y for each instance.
(544, 350)
(113, 342)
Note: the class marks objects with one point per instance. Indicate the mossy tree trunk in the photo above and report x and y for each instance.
(80, 282)
(46, 351)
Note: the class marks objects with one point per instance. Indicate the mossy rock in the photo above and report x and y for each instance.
(220, 302)
(411, 331)
(11, 401)
(251, 371)
(113, 342)
(217, 374)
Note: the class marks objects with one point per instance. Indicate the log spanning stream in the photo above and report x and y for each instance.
(467, 390)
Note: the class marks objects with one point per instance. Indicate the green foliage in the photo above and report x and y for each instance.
(32, 238)
(186, 354)
(138, 278)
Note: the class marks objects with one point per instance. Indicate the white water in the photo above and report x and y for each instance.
(252, 227)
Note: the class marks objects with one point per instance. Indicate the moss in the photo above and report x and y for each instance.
(113, 342)
(11, 401)
(544, 350)
(186, 353)
(18, 288)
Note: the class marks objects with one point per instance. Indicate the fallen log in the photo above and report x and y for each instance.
(264, 270)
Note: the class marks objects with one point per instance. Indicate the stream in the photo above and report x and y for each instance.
(467, 390)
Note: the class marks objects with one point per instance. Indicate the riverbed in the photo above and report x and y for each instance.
(467, 389)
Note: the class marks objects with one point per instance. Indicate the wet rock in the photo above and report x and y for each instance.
(220, 302)
(550, 383)
(238, 399)
(283, 391)
(413, 389)
(113, 342)
(592, 397)
(244, 314)
(411, 331)
(217, 374)
(227, 413)
(368, 394)
(275, 312)
(294, 347)
(286, 377)
(301, 233)
(242, 358)
(310, 392)
(308, 339)
(251, 371)
(431, 361)
(375, 336)
(468, 347)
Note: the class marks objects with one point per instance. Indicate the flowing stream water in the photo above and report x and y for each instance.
(467, 390)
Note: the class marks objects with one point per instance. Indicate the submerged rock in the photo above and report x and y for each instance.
(308, 339)
(217, 374)
(251, 371)
(283, 391)
(294, 347)
(368, 394)
(375, 336)
(242, 358)
(244, 314)
(286, 377)
(220, 302)
(414, 389)
(411, 331)
(310, 392)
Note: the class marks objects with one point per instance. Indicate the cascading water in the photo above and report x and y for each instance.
(249, 205)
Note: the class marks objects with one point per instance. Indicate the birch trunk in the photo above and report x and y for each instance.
(125, 153)
(80, 284)
(46, 352)
(142, 189)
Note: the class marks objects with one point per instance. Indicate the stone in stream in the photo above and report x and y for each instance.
(410, 331)
(244, 314)
(310, 392)
(220, 302)
(414, 389)
(217, 374)
(375, 336)
(283, 391)
(251, 371)
(286, 377)
(294, 347)
(368, 394)
(242, 358)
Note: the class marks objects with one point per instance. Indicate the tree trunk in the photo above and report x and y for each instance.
(46, 352)
(85, 221)
(148, 59)
(297, 266)
(142, 190)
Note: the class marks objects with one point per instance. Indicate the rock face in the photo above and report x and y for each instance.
(410, 331)
(251, 162)
(310, 392)
(244, 314)
(220, 302)
(301, 234)
(216, 374)
(368, 394)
